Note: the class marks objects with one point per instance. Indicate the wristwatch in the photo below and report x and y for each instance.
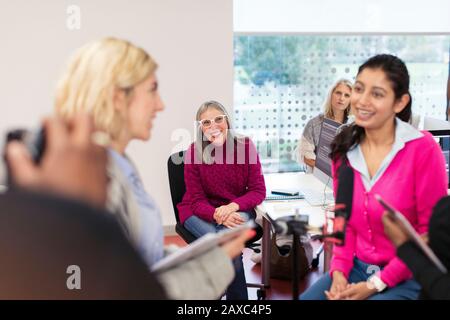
(377, 283)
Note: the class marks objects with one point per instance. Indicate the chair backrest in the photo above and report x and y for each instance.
(175, 166)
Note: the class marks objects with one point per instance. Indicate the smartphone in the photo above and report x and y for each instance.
(34, 141)
(411, 232)
(391, 211)
(285, 192)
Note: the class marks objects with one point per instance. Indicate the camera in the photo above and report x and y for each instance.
(34, 141)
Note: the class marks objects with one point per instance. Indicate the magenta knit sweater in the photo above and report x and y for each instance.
(209, 186)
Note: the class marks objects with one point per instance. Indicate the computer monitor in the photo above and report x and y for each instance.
(437, 127)
(440, 129)
(322, 170)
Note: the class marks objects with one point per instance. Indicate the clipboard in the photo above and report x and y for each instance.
(412, 234)
(200, 246)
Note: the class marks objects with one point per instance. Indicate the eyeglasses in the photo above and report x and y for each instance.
(206, 123)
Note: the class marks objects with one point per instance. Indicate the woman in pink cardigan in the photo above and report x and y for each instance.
(390, 158)
(224, 182)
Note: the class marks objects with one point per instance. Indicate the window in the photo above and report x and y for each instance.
(281, 81)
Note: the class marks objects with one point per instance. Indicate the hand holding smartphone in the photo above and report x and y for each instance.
(411, 232)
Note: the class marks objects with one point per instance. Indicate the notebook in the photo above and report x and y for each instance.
(200, 246)
(277, 197)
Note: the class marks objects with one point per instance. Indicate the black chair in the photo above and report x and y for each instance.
(175, 166)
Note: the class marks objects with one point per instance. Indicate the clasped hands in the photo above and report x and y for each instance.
(342, 290)
(228, 215)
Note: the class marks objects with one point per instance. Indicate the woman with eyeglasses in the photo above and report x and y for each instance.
(224, 182)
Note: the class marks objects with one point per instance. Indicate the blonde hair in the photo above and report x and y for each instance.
(92, 76)
(328, 110)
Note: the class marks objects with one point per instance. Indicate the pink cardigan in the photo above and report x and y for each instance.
(413, 183)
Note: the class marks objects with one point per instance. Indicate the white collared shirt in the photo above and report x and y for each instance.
(404, 133)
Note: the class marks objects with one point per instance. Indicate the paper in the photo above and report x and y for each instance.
(200, 246)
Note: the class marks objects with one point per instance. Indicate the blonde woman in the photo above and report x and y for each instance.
(337, 108)
(115, 82)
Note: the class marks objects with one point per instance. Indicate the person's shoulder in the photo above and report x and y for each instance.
(320, 117)
(425, 140)
(248, 145)
(66, 219)
(247, 141)
(423, 146)
(55, 209)
(189, 154)
(317, 120)
(413, 137)
(427, 136)
(189, 150)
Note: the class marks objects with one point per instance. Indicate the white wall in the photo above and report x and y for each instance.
(192, 41)
(343, 16)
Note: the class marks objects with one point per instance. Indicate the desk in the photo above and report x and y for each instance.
(277, 209)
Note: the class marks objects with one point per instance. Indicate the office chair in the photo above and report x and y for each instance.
(175, 166)
(177, 191)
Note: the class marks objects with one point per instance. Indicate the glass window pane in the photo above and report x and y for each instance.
(281, 81)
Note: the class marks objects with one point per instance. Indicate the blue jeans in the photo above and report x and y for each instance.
(237, 290)
(407, 290)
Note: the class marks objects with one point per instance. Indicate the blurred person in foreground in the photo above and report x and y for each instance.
(52, 218)
(115, 82)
